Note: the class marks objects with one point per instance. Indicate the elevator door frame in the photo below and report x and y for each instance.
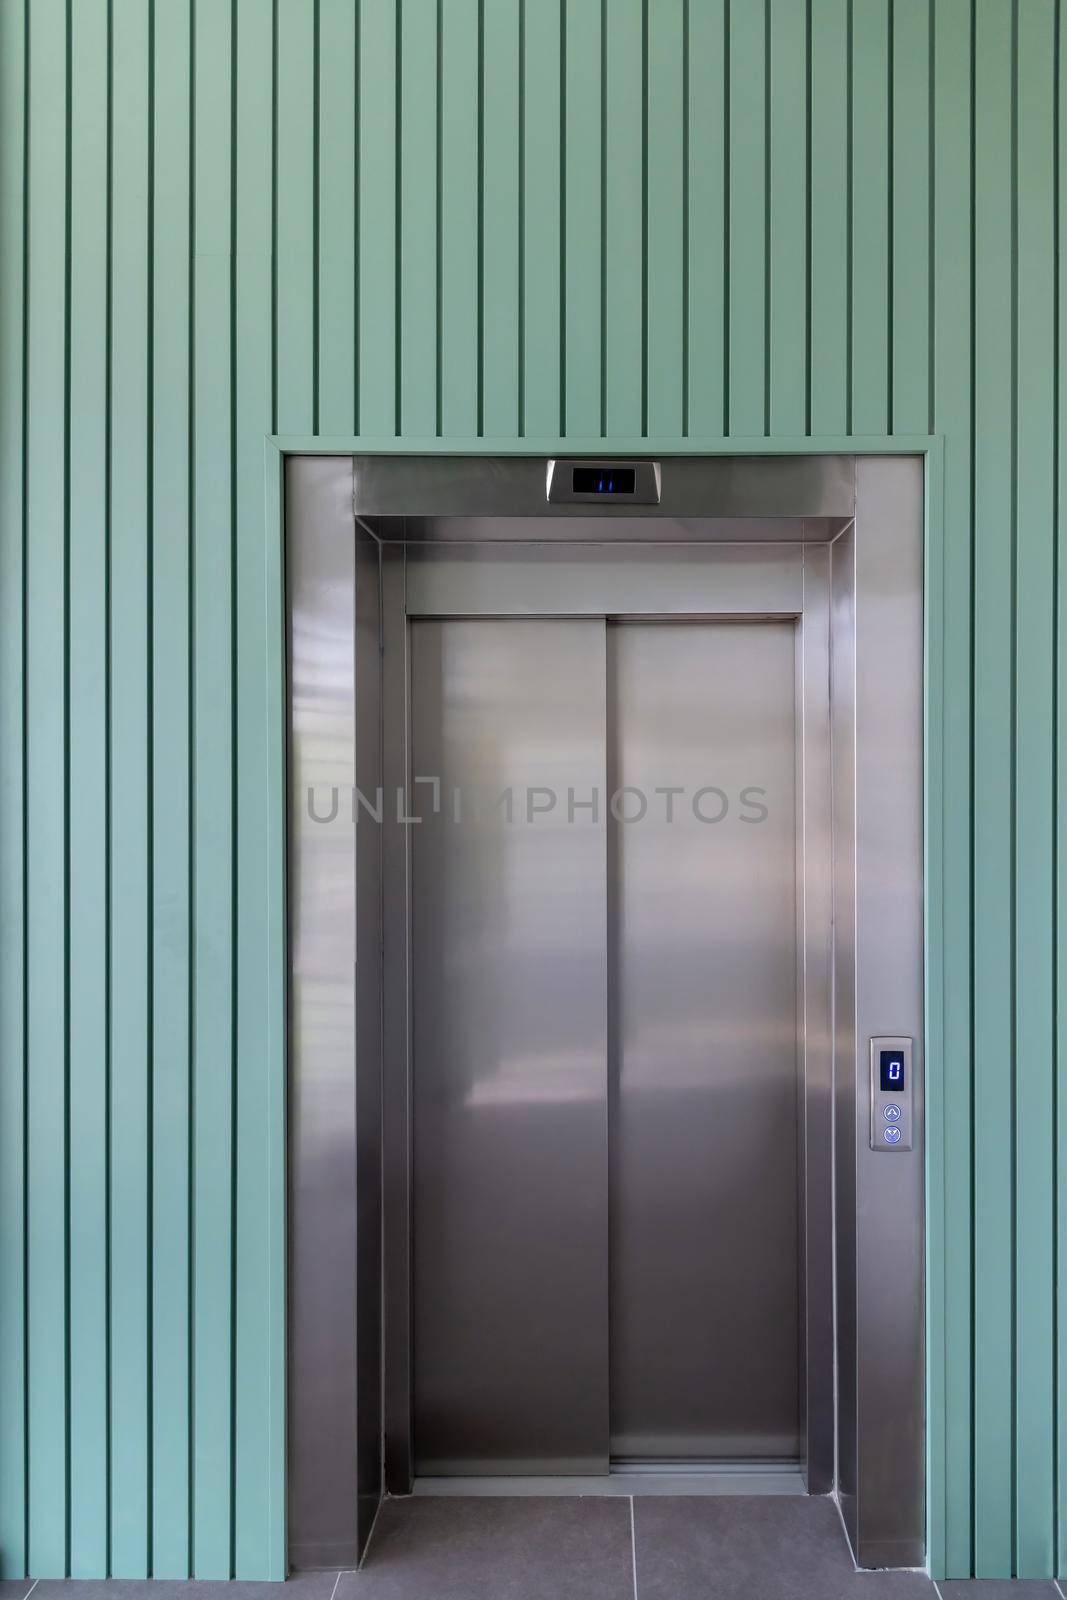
(704, 582)
(888, 493)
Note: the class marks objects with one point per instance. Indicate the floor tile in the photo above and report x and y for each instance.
(15, 1588)
(302, 1586)
(559, 1548)
(755, 1549)
(998, 1589)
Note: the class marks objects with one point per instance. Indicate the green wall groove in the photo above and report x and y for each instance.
(698, 219)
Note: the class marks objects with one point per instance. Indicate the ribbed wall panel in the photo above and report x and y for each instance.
(699, 219)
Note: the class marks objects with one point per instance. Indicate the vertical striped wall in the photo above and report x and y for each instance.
(510, 218)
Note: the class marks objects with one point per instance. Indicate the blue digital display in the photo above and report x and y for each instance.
(891, 1071)
(604, 480)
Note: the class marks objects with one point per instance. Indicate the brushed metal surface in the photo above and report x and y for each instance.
(599, 580)
(335, 1062)
(704, 1207)
(814, 1024)
(843, 725)
(690, 486)
(875, 842)
(509, 1050)
(753, 1479)
(368, 1064)
(578, 529)
(396, 1025)
(878, 730)
(891, 1509)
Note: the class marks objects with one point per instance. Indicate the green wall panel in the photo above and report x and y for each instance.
(994, 952)
(829, 217)
(88, 645)
(541, 321)
(623, 200)
(336, 68)
(13, 76)
(744, 219)
(1034, 512)
(254, 1177)
(949, 1286)
(693, 219)
(459, 244)
(131, 919)
(171, 1036)
(214, 815)
(47, 790)
(375, 288)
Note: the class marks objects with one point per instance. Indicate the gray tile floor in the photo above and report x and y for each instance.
(533, 1548)
(740, 1549)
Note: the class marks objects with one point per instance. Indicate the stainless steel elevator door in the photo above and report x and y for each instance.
(509, 1066)
(703, 1044)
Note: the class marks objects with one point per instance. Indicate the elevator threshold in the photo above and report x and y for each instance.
(715, 1478)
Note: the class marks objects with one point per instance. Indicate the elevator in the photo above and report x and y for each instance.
(605, 915)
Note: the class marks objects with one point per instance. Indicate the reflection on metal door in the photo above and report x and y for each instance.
(510, 1049)
(703, 1154)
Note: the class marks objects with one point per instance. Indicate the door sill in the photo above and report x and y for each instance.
(726, 1479)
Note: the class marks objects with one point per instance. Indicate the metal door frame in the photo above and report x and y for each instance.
(731, 485)
(700, 582)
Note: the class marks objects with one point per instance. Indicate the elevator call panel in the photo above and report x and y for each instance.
(892, 1092)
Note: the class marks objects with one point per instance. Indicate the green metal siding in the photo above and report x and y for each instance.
(521, 219)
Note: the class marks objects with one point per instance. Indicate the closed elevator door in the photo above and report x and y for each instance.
(703, 1162)
(604, 1023)
(509, 942)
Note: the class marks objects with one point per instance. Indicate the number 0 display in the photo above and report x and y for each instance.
(891, 1063)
